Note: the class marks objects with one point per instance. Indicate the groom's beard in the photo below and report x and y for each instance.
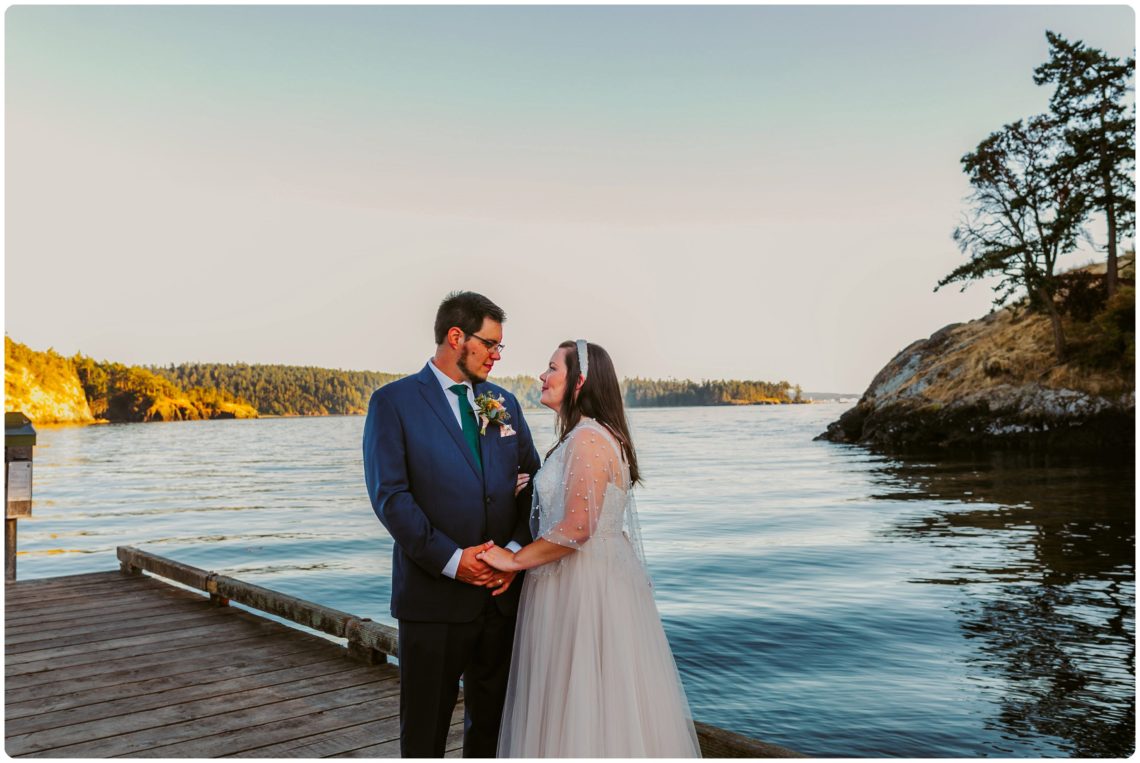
(467, 372)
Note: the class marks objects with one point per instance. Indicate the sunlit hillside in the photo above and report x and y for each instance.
(49, 388)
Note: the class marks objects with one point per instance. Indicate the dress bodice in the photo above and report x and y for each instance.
(582, 490)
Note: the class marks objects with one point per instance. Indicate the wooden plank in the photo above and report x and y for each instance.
(16, 602)
(285, 734)
(107, 618)
(17, 593)
(391, 747)
(108, 671)
(111, 611)
(59, 580)
(131, 734)
(454, 743)
(102, 609)
(87, 603)
(232, 628)
(205, 631)
(363, 725)
(123, 585)
(262, 661)
(77, 602)
(238, 654)
(222, 617)
(131, 702)
(93, 633)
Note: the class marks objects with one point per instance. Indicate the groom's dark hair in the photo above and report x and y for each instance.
(465, 310)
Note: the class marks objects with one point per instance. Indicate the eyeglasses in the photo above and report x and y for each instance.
(490, 345)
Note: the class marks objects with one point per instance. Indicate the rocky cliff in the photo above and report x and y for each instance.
(43, 385)
(995, 381)
(51, 389)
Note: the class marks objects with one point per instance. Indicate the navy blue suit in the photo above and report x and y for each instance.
(430, 494)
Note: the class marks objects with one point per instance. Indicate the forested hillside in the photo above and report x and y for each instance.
(308, 391)
(50, 387)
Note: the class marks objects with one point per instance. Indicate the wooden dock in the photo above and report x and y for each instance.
(124, 664)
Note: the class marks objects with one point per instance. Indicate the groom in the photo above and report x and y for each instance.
(441, 488)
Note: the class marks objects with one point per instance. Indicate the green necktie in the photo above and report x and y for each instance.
(470, 426)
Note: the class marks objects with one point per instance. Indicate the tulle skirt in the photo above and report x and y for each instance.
(592, 675)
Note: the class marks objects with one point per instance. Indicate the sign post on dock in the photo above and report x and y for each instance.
(19, 440)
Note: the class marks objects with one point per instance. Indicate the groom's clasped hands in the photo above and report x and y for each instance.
(477, 566)
(475, 571)
(484, 565)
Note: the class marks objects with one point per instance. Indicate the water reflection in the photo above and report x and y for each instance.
(1048, 593)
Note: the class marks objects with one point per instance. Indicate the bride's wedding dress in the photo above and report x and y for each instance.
(591, 673)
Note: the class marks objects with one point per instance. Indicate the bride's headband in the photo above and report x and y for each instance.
(583, 359)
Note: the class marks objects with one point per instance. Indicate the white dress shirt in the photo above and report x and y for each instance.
(447, 383)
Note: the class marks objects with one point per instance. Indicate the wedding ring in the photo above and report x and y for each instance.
(499, 581)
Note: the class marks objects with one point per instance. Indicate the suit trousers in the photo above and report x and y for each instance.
(433, 657)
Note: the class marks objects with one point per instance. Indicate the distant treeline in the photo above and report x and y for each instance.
(277, 390)
(672, 392)
(280, 390)
(78, 388)
(117, 392)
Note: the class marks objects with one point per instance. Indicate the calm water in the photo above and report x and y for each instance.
(816, 596)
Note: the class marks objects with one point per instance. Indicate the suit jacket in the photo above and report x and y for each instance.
(430, 494)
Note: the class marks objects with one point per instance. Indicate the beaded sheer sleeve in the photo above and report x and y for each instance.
(583, 491)
(568, 511)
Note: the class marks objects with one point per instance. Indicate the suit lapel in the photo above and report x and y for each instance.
(486, 448)
(440, 405)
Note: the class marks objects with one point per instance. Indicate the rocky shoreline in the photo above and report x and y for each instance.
(990, 382)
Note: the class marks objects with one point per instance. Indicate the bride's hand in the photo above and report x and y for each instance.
(521, 483)
(499, 558)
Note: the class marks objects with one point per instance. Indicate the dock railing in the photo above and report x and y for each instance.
(369, 641)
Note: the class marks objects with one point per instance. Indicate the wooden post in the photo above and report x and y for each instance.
(19, 439)
(357, 649)
(9, 550)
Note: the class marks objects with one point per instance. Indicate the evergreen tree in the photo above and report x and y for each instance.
(1028, 211)
(1100, 134)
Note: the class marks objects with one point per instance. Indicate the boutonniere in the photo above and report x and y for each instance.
(491, 411)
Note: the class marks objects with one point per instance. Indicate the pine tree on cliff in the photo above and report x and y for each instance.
(1028, 210)
(1098, 130)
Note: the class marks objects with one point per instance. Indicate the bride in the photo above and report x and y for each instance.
(591, 673)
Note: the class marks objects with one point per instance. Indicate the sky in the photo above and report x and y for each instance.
(749, 192)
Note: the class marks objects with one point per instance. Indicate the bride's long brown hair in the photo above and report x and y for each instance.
(599, 398)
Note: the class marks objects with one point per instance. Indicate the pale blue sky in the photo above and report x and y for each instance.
(760, 192)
